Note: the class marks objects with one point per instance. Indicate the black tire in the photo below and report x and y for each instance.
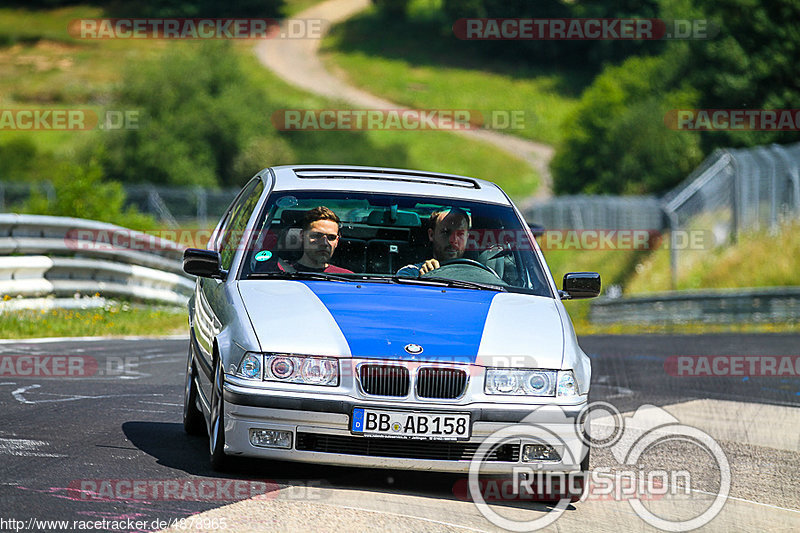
(193, 421)
(586, 474)
(216, 433)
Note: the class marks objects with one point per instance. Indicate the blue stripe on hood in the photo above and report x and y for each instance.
(379, 320)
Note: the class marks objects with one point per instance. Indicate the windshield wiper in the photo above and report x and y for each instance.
(447, 282)
(314, 276)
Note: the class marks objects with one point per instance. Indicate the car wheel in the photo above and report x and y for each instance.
(193, 421)
(216, 437)
(585, 475)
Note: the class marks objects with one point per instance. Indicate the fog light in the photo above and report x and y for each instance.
(270, 438)
(539, 452)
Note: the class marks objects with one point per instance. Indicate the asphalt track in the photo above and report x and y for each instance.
(121, 425)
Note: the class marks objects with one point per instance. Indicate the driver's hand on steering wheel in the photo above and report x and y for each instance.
(427, 266)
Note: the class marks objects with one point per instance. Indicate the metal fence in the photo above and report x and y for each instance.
(733, 190)
(48, 262)
(172, 206)
(598, 212)
(739, 190)
(736, 190)
(719, 306)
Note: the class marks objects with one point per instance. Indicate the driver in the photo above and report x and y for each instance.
(448, 231)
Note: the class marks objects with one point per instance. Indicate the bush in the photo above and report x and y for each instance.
(198, 113)
(392, 8)
(20, 160)
(617, 142)
(81, 191)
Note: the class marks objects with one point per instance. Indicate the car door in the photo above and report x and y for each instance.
(210, 302)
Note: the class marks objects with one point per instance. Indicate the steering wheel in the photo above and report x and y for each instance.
(464, 261)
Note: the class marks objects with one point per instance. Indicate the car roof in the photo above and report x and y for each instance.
(385, 180)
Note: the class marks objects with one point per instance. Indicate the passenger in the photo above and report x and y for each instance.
(448, 231)
(320, 237)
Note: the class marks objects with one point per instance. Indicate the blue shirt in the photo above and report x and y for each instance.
(410, 271)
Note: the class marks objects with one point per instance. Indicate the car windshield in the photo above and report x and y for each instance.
(389, 238)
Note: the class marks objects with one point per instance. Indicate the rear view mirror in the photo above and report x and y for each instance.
(203, 263)
(579, 285)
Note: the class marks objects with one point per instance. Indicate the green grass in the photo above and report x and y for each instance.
(759, 259)
(49, 69)
(414, 64)
(293, 7)
(115, 319)
(583, 327)
(435, 151)
(43, 67)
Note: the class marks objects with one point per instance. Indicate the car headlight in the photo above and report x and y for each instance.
(250, 366)
(302, 369)
(520, 382)
(567, 385)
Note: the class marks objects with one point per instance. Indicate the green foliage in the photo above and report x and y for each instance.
(205, 120)
(81, 191)
(392, 8)
(21, 160)
(169, 8)
(577, 53)
(617, 141)
(198, 113)
(752, 63)
(116, 318)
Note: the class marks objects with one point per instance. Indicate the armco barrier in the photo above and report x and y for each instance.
(45, 260)
(767, 304)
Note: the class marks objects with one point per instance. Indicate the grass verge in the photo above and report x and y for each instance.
(44, 68)
(583, 327)
(766, 258)
(435, 151)
(415, 64)
(113, 320)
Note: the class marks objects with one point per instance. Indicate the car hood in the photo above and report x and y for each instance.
(377, 320)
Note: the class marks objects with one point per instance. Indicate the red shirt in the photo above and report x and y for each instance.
(330, 269)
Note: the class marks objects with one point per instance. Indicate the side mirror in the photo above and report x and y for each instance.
(536, 229)
(203, 263)
(579, 285)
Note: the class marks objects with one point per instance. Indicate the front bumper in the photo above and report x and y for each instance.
(321, 433)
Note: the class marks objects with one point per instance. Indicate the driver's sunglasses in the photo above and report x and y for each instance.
(316, 236)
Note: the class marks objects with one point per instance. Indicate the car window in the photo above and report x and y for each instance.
(233, 230)
(380, 234)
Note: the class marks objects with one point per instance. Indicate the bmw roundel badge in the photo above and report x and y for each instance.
(413, 349)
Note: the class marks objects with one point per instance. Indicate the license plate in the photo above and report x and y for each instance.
(402, 424)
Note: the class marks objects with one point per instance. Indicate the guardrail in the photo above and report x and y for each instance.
(721, 306)
(70, 262)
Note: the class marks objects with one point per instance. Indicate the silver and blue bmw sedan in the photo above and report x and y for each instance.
(383, 318)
